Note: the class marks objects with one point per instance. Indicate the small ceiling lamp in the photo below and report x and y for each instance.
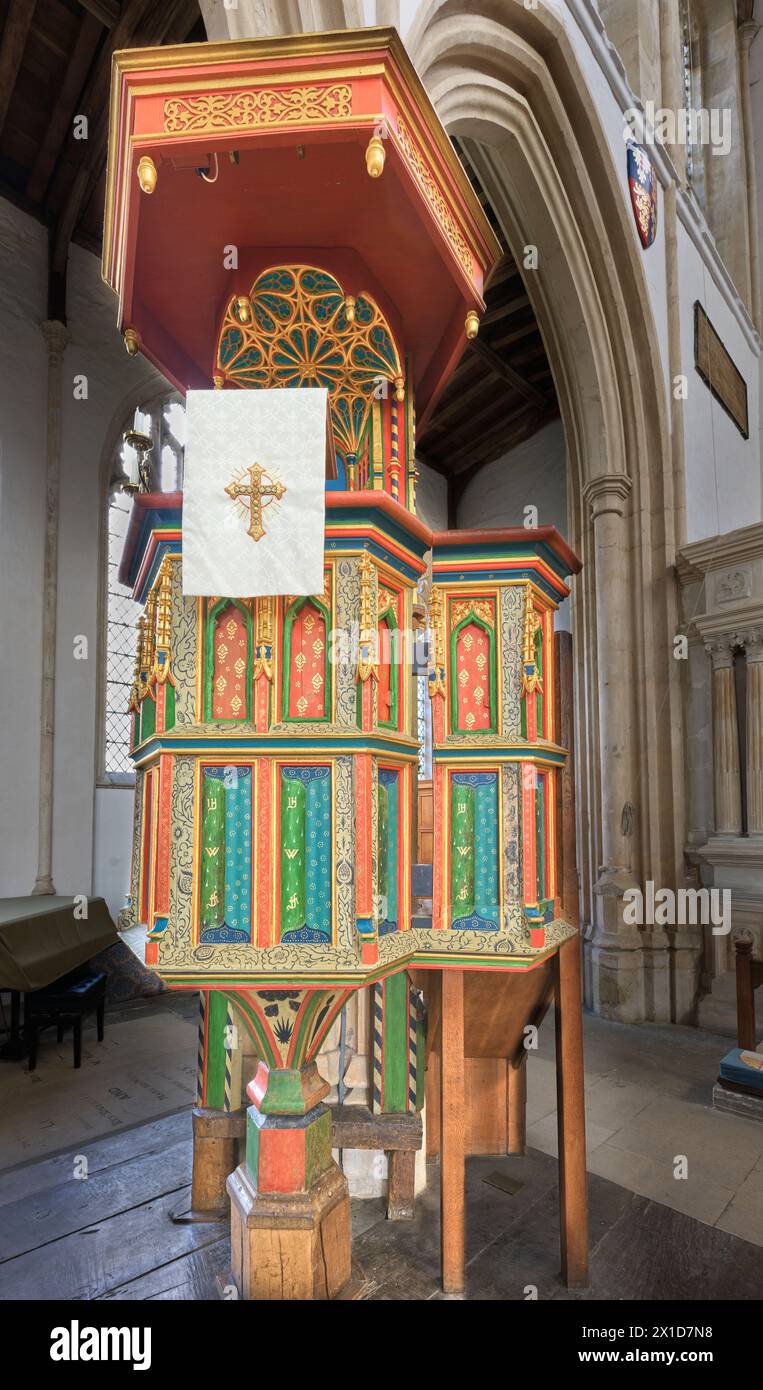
(131, 340)
(147, 174)
(375, 157)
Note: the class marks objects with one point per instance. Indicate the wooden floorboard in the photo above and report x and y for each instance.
(139, 1141)
(111, 1236)
(189, 1278)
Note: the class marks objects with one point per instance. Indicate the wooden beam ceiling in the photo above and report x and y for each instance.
(55, 65)
(18, 22)
(501, 393)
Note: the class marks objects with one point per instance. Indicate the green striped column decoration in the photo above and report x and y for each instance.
(391, 1045)
(293, 884)
(212, 893)
(462, 850)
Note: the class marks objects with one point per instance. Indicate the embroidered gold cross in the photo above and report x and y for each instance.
(255, 491)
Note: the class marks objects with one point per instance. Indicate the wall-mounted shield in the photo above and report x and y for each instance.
(642, 181)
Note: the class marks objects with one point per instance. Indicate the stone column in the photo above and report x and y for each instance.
(745, 35)
(608, 497)
(726, 770)
(56, 338)
(753, 645)
(388, 12)
(616, 947)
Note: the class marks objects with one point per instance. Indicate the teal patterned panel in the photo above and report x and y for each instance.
(480, 789)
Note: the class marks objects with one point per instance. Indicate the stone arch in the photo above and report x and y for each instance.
(507, 80)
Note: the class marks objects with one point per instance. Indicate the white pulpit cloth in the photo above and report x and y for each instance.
(254, 491)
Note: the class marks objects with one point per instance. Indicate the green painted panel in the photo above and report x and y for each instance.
(147, 718)
(212, 893)
(395, 1042)
(461, 850)
(217, 1023)
(169, 706)
(293, 858)
(317, 1148)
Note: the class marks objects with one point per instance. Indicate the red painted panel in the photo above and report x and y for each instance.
(261, 870)
(148, 839)
(384, 684)
(164, 825)
(529, 872)
(230, 655)
(473, 678)
(307, 675)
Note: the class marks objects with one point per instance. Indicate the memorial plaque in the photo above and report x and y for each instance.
(719, 371)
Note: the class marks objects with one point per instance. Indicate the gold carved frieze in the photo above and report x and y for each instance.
(434, 196)
(250, 109)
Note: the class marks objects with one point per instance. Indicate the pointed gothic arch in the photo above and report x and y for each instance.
(508, 82)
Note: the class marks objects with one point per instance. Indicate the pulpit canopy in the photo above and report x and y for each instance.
(222, 155)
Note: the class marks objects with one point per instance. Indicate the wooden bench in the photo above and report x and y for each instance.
(399, 1136)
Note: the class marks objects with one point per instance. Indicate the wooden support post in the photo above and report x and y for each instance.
(452, 1131)
(516, 1105)
(743, 944)
(218, 1141)
(401, 1185)
(573, 1195)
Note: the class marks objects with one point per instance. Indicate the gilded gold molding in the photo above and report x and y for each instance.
(530, 678)
(247, 109)
(366, 664)
(163, 644)
(434, 196)
(437, 629)
(263, 664)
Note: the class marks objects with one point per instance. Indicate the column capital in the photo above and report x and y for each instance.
(720, 648)
(746, 32)
(607, 493)
(751, 638)
(56, 336)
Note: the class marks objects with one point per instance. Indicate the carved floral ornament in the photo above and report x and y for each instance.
(250, 109)
(477, 607)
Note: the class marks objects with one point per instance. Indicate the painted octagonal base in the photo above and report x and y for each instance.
(290, 1246)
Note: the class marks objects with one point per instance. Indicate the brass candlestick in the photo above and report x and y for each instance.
(142, 444)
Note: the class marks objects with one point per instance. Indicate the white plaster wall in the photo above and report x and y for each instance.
(722, 471)
(723, 476)
(112, 841)
(534, 474)
(23, 390)
(431, 497)
(95, 350)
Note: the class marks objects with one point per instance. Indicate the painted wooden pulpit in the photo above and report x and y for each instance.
(286, 214)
